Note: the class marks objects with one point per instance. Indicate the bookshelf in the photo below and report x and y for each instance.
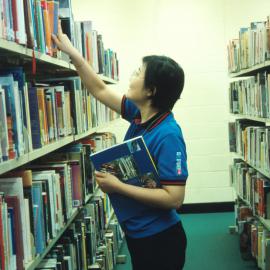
(249, 98)
(37, 153)
(13, 54)
(10, 50)
(35, 263)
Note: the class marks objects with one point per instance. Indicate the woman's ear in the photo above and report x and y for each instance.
(151, 92)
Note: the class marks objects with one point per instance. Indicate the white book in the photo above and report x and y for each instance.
(1, 19)
(59, 201)
(6, 235)
(49, 177)
(14, 187)
(50, 91)
(95, 52)
(61, 112)
(21, 33)
(68, 259)
(68, 113)
(28, 231)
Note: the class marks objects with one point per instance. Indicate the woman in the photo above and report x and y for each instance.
(155, 237)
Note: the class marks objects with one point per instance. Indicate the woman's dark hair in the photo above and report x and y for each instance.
(165, 78)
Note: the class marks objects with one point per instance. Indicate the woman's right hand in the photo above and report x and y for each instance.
(62, 41)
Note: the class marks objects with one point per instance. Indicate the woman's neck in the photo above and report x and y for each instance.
(147, 113)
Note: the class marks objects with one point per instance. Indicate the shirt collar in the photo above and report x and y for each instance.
(154, 121)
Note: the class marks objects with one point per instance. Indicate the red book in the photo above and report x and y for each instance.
(76, 183)
(15, 19)
(14, 202)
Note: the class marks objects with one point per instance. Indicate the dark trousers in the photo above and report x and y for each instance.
(163, 251)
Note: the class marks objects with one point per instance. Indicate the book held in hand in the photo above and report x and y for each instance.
(129, 161)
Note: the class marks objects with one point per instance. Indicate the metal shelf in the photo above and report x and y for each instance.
(250, 71)
(15, 163)
(263, 172)
(85, 134)
(107, 79)
(46, 149)
(265, 222)
(32, 265)
(96, 129)
(15, 48)
(63, 67)
(254, 118)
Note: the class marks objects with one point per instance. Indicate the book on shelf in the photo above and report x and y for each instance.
(132, 163)
(13, 193)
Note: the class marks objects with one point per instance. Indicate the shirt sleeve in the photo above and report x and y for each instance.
(172, 161)
(129, 110)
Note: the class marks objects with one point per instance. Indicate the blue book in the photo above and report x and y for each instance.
(19, 76)
(131, 163)
(34, 116)
(38, 217)
(12, 229)
(8, 84)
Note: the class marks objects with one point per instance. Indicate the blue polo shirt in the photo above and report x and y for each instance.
(164, 139)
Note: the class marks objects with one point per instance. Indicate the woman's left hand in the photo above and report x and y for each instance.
(107, 182)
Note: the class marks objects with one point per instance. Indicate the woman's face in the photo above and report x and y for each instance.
(136, 92)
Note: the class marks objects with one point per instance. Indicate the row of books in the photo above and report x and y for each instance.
(252, 187)
(102, 140)
(251, 96)
(252, 47)
(81, 247)
(32, 22)
(254, 237)
(251, 140)
(89, 42)
(35, 211)
(38, 200)
(32, 116)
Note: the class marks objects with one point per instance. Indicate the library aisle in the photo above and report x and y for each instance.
(210, 245)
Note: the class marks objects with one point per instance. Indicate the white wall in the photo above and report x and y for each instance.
(194, 33)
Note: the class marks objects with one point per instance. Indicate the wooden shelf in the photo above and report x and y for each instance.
(251, 71)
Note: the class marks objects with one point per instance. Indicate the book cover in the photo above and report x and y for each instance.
(14, 202)
(38, 217)
(129, 161)
(34, 115)
(3, 126)
(132, 163)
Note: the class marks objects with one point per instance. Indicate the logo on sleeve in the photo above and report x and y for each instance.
(178, 163)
